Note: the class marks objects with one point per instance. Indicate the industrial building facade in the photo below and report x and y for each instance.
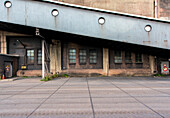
(78, 40)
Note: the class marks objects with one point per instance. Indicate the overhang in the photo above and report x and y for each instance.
(80, 20)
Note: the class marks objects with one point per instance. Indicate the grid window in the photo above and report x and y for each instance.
(82, 56)
(128, 57)
(39, 57)
(118, 57)
(138, 58)
(72, 56)
(30, 56)
(93, 56)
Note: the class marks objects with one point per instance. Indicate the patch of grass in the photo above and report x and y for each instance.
(104, 76)
(54, 76)
(159, 75)
(64, 75)
(48, 78)
(26, 77)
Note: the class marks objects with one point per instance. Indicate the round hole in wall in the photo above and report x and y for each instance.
(148, 28)
(55, 12)
(7, 4)
(101, 20)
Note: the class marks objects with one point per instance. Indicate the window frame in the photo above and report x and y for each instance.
(81, 63)
(38, 56)
(72, 55)
(92, 55)
(128, 59)
(141, 58)
(115, 55)
(28, 63)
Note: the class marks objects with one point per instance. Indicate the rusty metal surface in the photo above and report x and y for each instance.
(84, 21)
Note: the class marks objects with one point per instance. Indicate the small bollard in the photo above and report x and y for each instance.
(3, 76)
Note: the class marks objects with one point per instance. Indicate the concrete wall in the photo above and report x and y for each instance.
(139, 7)
(55, 56)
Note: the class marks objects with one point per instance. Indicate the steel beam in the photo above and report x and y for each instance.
(84, 21)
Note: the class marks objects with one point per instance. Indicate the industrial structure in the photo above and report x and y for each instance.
(45, 36)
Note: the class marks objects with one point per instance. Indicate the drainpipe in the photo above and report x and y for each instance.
(156, 8)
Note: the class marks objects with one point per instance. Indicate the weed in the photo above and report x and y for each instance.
(159, 75)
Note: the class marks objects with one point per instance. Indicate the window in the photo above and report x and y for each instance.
(128, 57)
(30, 56)
(138, 58)
(72, 56)
(118, 57)
(39, 57)
(82, 56)
(93, 56)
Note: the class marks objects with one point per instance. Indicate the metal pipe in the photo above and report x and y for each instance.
(156, 8)
(43, 59)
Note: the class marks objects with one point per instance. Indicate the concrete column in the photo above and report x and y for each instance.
(106, 61)
(3, 43)
(55, 56)
(152, 63)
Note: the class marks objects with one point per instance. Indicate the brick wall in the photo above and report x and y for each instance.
(87, 65)
(112, 72)
(139, 7)
(29, 73)
(164, 9)
(14, 47)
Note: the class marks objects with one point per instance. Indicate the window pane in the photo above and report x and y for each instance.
(39, 57)
(128, 57)
(72, 55)
(138, 58)
(118, 57)
(93, 56)
(30, 56)
(82, 56)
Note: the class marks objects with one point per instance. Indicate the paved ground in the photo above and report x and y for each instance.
(121, 97)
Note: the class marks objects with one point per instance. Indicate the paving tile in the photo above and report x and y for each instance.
(124, 110)
(112, 97)
(31, 96)
(64, 110)
(68, 101)
(22, 101)
(107, 93)
(16, 110)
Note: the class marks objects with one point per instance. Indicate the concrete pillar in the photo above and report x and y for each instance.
(3, 43)
(106, 61)
(55, 56)
(152, 63)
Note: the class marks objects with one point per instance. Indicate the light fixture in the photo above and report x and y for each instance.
(101, 20)
(7, 4)
(148, 28)
(55, 12)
